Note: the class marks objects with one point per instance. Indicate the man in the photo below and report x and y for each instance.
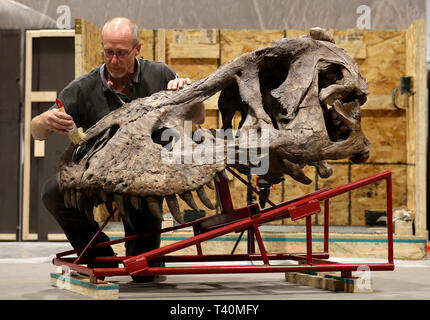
(87, 99)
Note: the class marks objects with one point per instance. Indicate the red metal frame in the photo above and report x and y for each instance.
(237, 220)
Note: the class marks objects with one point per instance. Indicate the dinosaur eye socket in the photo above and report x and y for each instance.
(328, 74)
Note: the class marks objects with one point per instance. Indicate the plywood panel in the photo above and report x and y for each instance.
(339, 206)
(417, 115)
(386, 131)
(193, 68)
(236, 42)
(386, 61)
(294, 189)
(373, 197)
(146, 38)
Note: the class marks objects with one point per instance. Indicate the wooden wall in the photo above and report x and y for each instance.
(382, 59)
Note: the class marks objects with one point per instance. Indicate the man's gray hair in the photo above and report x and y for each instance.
(133, 28)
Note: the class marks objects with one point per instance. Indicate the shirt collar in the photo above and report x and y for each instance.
(135, 78)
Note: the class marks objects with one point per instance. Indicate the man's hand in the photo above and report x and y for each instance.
(51, 121)
(178, 83)
(58, 121)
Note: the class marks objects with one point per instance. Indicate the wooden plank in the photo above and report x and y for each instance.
(81, 284)
(198, 36)
(160, 43)
(56, 33)
(92, 35)
(88, 48)
(43, 96)
(39, 148)
(379, 102)
(79, 49)
(181, 58)
(417, 124)
(27, 137)
(146, 38)
(194, 51)
(331, 282)
(235, 42)
(57, 237)
(8, 237)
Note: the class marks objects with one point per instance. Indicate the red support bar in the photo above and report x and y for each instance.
(249, 218)
(223, 194)
(88, 247)
(260, 244)
(251, 187)
(326, 267)
(390, 219)
(326, 223)
(309, 239)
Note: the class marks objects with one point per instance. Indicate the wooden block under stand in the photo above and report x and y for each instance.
(81, 284)
(330, 282)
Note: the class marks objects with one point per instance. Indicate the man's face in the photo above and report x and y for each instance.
(119, 52)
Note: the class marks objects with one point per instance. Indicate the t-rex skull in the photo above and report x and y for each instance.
(300, 97)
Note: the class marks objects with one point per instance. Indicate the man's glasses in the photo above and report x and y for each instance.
(120, 54)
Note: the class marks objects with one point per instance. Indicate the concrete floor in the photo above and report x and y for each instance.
(25, 269)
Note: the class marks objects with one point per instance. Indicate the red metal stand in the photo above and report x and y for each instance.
(237, 220)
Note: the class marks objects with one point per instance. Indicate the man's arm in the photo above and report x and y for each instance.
(50, 121)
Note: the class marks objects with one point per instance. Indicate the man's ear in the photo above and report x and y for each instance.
(138, 47)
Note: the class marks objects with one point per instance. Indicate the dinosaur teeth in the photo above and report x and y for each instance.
(135, 202)
(80, 200)
(154, 206)
(108, 204)
(103, 196)
(89, 209)
(120, 203)
(67, 201)
(224, 175)
(210, 185)
(173, 205)
(95, 200)
(73, 198)
(188, 198)
(204, 198)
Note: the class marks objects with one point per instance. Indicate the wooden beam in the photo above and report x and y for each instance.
(379, 102)
(57, 237)
(8, 237)
(160, 45)
(82, 285)
(43, 96)
(194, 51)
(27, 136)
(79, 49)
(417, 124)
(330, 282)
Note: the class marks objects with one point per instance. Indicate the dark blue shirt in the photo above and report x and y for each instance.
(89, 98)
